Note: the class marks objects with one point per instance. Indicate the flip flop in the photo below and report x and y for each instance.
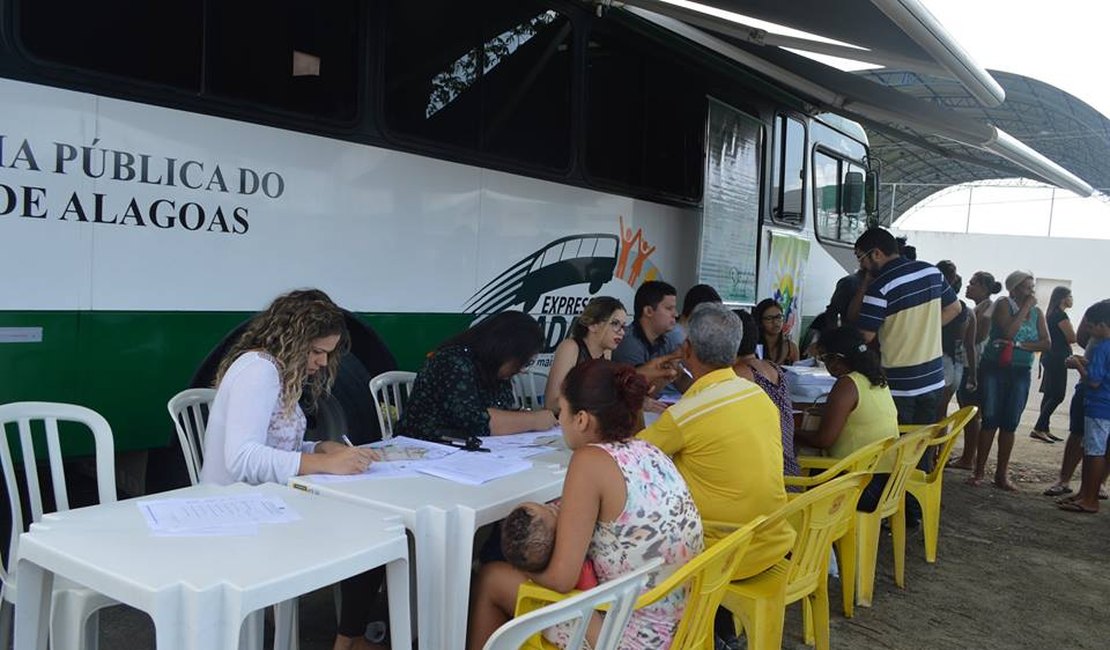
(1102, 496)
(1071, 506)
(1057, 490)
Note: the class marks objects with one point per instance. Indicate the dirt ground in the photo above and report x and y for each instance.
(1012, 570)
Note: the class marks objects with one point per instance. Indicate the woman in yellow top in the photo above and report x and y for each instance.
(859, 409)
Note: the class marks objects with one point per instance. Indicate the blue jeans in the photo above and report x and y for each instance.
(1003, 392)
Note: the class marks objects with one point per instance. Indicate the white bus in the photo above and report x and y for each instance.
(167, 168)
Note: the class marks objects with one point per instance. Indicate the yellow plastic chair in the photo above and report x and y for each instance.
(863, 459)
(758, 603)
(900, 459)
(926, 488)
(705, 577)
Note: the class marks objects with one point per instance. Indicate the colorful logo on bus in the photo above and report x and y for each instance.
(556, 281)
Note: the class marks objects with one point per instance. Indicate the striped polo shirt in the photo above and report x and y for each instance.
(902, 306)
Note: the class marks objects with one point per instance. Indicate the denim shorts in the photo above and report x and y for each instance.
(1095, 433)
(1003, 393)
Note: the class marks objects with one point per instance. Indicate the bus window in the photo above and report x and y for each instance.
(788, 172)
(296, 55)
(157, 42)
(838, 198)
(493, 77)
(645, 116)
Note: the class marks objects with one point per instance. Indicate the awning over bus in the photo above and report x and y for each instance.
(878, 107)
(891, 33)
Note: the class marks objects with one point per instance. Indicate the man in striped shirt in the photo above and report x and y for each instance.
(904, 303)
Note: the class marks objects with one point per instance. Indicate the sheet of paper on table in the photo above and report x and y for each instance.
(524, 445)
(400, 457)
(230, 515)
(473, 468)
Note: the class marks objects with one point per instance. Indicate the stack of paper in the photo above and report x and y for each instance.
(230, 515)
(808, 384)
(524, 445)
(473, 468)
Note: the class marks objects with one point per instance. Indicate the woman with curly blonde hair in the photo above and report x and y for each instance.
(256, 427)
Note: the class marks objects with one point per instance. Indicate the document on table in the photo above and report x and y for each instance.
(473, 468)
(524, 445)
(400, 456)
(229, 515)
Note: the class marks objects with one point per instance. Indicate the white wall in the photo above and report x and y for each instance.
(1082, 261)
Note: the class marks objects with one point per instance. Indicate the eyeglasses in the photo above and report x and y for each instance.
(860, 256)
(829, 356)
(773, 319)
(618, 326)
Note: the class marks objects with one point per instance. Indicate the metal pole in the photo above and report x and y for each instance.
(967, 222)
(893, 193)
(1051, 207)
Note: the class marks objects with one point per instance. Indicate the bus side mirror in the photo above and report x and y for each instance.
(853, 192)
(871, 194)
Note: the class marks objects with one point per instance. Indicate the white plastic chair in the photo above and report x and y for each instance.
(529, 386)
(74, 621)
(389, 391)
(189, 410)
(621, 592)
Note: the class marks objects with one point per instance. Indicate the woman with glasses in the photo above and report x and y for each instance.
(860, 409)
(770, 377)
(596, 332)
(777, 347)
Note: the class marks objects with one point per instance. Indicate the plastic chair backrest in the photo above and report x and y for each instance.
(705, 577)
(390, 390)
(819, 516)
(863, 459)
(189, 410)
(529, 387)
(49, 413)
(900, 459)
(955, 424)
(620, 594)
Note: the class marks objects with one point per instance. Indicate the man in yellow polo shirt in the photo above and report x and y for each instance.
(725, 439)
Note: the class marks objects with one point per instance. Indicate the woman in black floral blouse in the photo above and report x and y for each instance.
(464, 385)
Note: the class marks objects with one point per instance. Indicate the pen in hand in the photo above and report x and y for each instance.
(347, 441)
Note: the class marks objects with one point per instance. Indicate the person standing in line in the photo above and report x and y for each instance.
(1017, 331)
(980, 288)
(1054, 380)
(1073, 448)
(1094, 372)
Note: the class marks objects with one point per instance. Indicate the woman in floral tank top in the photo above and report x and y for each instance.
(623, 503)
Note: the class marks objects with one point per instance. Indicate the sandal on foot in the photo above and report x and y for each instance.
(1072, 506)
(1102, 496)
(1057, 490)
(1041, 435)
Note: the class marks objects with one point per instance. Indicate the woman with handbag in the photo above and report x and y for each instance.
(1017, 330)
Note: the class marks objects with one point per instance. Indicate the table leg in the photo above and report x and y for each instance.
(459, 552)
(397, 586)
(32, 606)
(430, 536)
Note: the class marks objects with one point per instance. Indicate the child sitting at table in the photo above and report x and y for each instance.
(528, 537)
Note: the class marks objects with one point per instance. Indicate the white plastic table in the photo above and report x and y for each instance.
(198, 590)
(443, 517)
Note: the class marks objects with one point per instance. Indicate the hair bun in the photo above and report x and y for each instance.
(631, 386)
